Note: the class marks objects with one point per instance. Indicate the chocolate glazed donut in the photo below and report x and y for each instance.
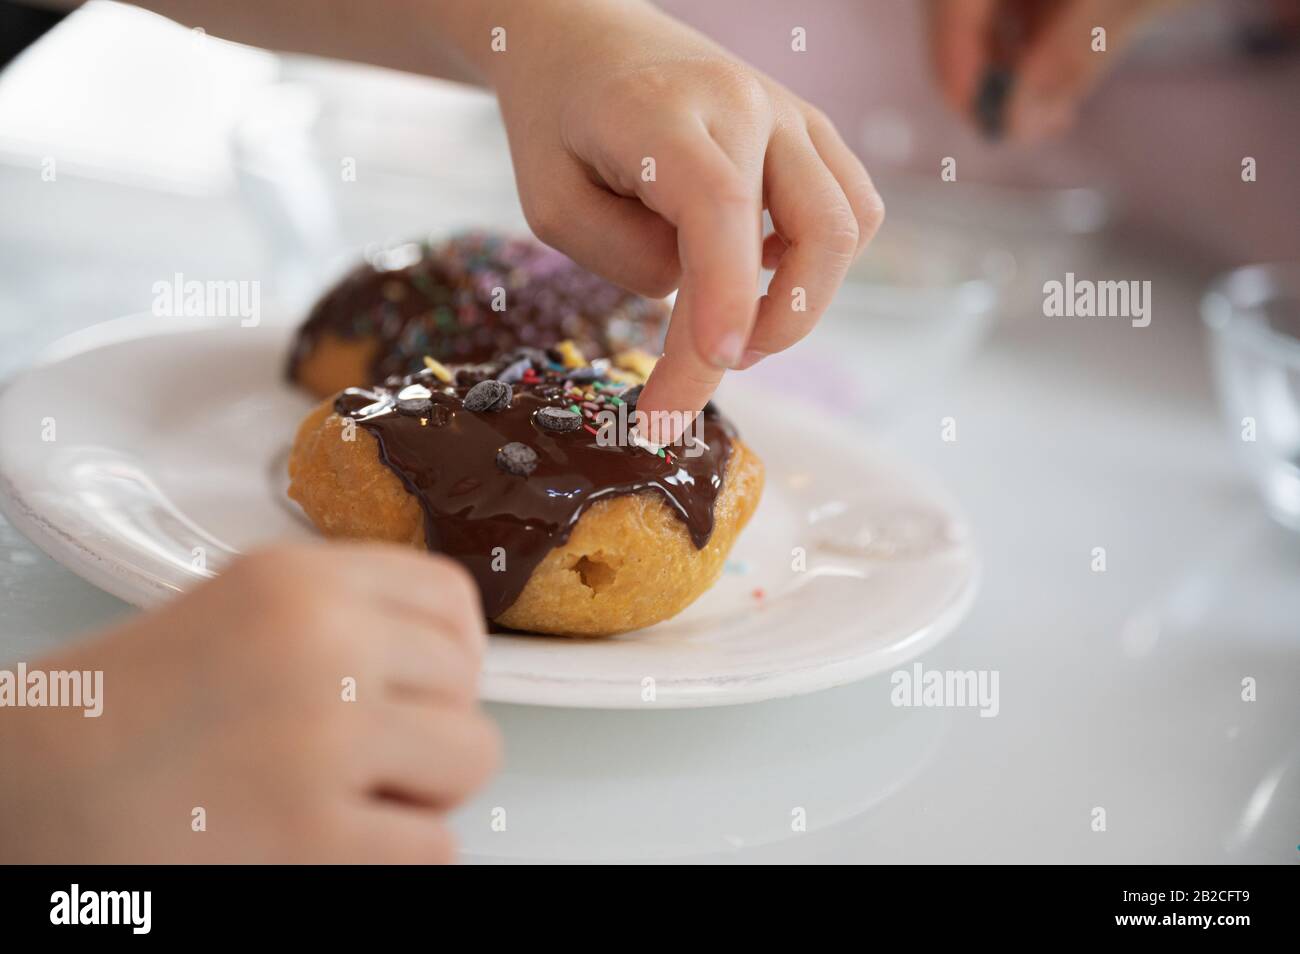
(466, 299)
(514, 469)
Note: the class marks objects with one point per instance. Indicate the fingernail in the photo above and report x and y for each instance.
(750, 358)
(729, 349)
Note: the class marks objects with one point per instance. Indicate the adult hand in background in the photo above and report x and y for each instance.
(1044, 50)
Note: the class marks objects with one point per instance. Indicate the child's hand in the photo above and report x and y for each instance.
(233, 700)
(592, 92)
(648, 154)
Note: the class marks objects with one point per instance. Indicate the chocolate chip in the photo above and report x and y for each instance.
(488, 396)
(415, 407)
(415, 400)
(515, 371)
(518, 459)
(630, 397)
(558, 419)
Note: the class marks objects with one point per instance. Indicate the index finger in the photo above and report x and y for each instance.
(717, 209)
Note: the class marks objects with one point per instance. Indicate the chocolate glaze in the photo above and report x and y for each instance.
(437, 300)
(447, 457)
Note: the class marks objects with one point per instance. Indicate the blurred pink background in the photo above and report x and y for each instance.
(1164, 134)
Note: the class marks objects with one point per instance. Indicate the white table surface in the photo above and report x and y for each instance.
(1118, 689)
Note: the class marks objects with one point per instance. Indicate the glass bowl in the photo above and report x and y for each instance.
(1253, 314)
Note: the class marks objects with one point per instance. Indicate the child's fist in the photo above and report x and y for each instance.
(314, 703)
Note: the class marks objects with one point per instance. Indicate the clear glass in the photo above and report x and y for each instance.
(1253, 315)
(343, 162)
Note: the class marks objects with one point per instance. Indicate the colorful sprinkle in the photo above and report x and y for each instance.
(439, 370)
(516, 371)
(570, 354)
(637, 361)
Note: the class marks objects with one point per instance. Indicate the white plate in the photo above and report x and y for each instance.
(145, 453)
